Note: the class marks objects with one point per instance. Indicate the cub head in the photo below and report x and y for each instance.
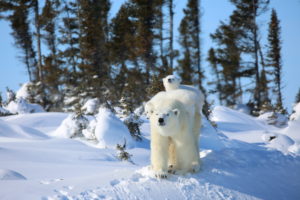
(166, 121)
(171, 82)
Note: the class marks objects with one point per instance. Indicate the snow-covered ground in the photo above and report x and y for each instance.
(245, 159)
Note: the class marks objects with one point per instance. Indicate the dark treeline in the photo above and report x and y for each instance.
(72, 51)
(239, 57)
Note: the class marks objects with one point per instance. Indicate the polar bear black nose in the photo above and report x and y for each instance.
(169, 80)
(161, 120)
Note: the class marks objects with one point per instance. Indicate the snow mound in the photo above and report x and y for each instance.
(23, 91)
(21, 106)
(111, 131)
(293, 128)
(296, 115)
(16, 131)
(242, 108)
(276, 119)
(71, 127)
(6, 174)
(226, 117)
(90, 107)
(45, 122)
(281, 143)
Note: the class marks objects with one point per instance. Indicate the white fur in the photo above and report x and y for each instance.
(172, 82)
(174, 143)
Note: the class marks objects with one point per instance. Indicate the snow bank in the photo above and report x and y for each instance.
(210, 138)
(239, 126)
(16, 131)
(276, 119)
(6, 174)
(296, 115)
(293, 129)
(45, 122)
(21, 106)
(4, 112)
(110, 130)
(229, 117)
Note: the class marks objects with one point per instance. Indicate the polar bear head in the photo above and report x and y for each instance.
(171, 82)
(149, 106)
(165, 116)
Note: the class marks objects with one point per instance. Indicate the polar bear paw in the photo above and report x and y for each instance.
(195, 168)
(171, 169)
(161, 174)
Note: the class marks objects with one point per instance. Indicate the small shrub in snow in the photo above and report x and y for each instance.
(91, 106)
(10, 95)
(122, 154)
(72, 126)
(133, 123)
(89, 132)
(4, 112)
(81, 122)
(21, 106)
(130, 118)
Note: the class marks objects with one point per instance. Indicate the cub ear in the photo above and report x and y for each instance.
(176, 111)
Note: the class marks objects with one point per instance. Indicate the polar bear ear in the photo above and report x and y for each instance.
(148, 109)
(179, 79)
(176, 112)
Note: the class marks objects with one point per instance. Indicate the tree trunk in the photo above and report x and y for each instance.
(38, 37)
(198, 50)
(257, 89)
(171, 13)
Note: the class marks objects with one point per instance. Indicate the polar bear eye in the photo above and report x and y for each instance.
(168, 115)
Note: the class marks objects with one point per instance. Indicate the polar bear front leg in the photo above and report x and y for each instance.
(187, 154)
(159, 154)
(172, 165)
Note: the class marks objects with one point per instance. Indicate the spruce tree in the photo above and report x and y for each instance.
(213, 60)
(144, 15)
(171, 33)
(274, 58)
(190, 41)
(228, 55)
(23, 38)
(244, 19)
(69, 38)
(297, 99)
(93, 24)
(52, 72)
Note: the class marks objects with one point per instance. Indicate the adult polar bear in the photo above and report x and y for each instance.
(172, 82)
(173, 139)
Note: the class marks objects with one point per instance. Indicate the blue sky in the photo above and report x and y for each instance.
(13, 72)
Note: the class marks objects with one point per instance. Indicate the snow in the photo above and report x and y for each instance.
(21, 106)
(3, 111)
(23, 91)
(244, 158)
(110, 130)
(90, 107)
(10, 175)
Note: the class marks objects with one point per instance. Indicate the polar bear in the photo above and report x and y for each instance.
(174, 145)
(172, 82)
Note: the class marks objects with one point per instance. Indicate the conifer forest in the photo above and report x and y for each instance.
(73, 51)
